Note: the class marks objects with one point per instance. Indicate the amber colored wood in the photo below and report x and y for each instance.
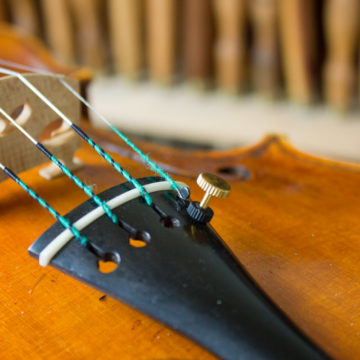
(19, 47)
(88, 34)
(341, 19)
(297, 21)
(4, 13)
(265, 65)
(293, 225)
(161, 38)
(197, 37)
(25, 15)
(59, 29)
(126, 35)
(231, 52)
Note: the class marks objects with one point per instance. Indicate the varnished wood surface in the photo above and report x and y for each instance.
(341, 23)
(293, 225)
(19, 47)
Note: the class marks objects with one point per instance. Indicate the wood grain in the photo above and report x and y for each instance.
(265, 63)
(17, 152)
(231, 52)
(59, 28)
(24, 14)
(299, 50)
(19, 47)
(293, 225)
(89, 35)
(4, 13)
(341, 18)
(197, 38)
(161, 38)
(126, 35)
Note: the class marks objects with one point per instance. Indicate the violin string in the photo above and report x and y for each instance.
(62, 220)
(83, 135)
(145, 158)
(71, 176)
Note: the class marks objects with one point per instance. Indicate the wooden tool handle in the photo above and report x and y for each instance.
(198, 32)
(265, 65)
(162, 24)
(59, 29)
(341, 19)
(298, 47)
(231, 50)
(126, 35)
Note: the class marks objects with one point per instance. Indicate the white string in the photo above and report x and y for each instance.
(59, 77)
(37, 92)
(63, 82)
(19, 127)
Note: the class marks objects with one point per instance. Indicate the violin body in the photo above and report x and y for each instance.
(292, 224)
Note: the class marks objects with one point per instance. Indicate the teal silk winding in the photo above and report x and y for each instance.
(64, 169)
(145, 158)
(62, 220)
(81, 133)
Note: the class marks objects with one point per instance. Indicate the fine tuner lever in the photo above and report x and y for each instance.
(213, 186)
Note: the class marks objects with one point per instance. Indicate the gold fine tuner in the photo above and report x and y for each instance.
(213, 186)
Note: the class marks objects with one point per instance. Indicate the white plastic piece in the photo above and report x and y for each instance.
(52, 171)
(61, 240)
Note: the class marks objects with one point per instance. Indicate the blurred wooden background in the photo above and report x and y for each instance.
(287, 51)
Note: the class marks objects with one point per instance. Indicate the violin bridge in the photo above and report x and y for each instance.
(28, 110)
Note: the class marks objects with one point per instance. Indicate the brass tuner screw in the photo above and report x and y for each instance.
(213, 186)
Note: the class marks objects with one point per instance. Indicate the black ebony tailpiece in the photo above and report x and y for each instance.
(184, 277)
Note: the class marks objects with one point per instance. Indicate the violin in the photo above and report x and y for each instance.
(269, 272)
